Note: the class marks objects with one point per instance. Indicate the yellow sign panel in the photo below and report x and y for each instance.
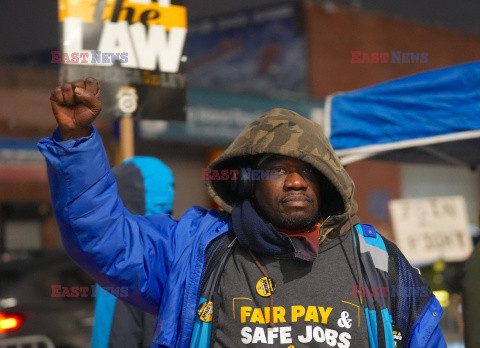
(149, 14)
(84, 9)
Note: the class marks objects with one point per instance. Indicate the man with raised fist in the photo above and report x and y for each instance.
(286, 263)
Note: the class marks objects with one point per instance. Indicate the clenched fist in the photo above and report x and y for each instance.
(75, 106)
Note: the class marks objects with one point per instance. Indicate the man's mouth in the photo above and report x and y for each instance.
(296, 201)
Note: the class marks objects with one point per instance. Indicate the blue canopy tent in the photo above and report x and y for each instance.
(430, 117)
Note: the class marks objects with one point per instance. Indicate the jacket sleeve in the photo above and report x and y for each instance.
(131, 253)
(427, 331)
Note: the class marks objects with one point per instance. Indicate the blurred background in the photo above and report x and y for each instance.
(244, 58)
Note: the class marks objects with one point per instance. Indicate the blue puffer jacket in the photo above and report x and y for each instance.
(160, 261)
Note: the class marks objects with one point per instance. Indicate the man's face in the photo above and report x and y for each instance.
(291, 202)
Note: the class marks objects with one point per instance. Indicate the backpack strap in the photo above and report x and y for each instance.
(374, 263)
(216, 257)
(409, 294)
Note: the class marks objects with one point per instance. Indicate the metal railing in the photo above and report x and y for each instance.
(34, 341)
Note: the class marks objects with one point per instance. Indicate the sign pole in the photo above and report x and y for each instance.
(127, 102)
(127, 138)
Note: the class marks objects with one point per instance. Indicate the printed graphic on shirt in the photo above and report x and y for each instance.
(296, 324)
(312, 301)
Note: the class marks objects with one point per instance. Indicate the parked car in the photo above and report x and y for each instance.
(38, 297)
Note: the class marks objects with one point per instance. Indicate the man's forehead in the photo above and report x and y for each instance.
(269, 159)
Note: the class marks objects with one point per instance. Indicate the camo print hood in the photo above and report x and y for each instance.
(285, 132)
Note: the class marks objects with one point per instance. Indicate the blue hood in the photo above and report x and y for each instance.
(145, 185)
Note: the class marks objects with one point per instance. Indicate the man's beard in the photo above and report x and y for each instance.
(295, 223)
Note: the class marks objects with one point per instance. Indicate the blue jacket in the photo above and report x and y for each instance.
(161, 261)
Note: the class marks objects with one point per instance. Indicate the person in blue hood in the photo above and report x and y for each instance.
(146, 186)
(287, 262)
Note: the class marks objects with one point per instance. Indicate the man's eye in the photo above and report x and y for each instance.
(278, 170)
(307, 171)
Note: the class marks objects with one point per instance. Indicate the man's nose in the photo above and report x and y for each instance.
(294, 181)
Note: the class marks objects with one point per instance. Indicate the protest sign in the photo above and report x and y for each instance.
(135, 48)
(431, 229)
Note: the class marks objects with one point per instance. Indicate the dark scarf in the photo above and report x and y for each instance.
(254, 234)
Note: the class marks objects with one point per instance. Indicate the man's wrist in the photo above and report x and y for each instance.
(66, 134)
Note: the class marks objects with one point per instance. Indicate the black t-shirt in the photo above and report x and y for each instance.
(314, 305)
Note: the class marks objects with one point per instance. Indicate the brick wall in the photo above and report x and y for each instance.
(334, 33)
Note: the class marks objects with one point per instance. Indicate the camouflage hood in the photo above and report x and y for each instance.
(285, 132)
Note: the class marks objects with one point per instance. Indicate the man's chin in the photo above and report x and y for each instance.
(296, 222)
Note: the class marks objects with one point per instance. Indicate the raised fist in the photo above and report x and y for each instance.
(75, 106)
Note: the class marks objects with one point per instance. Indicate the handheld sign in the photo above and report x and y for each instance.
(431, 229)
(138, 44)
